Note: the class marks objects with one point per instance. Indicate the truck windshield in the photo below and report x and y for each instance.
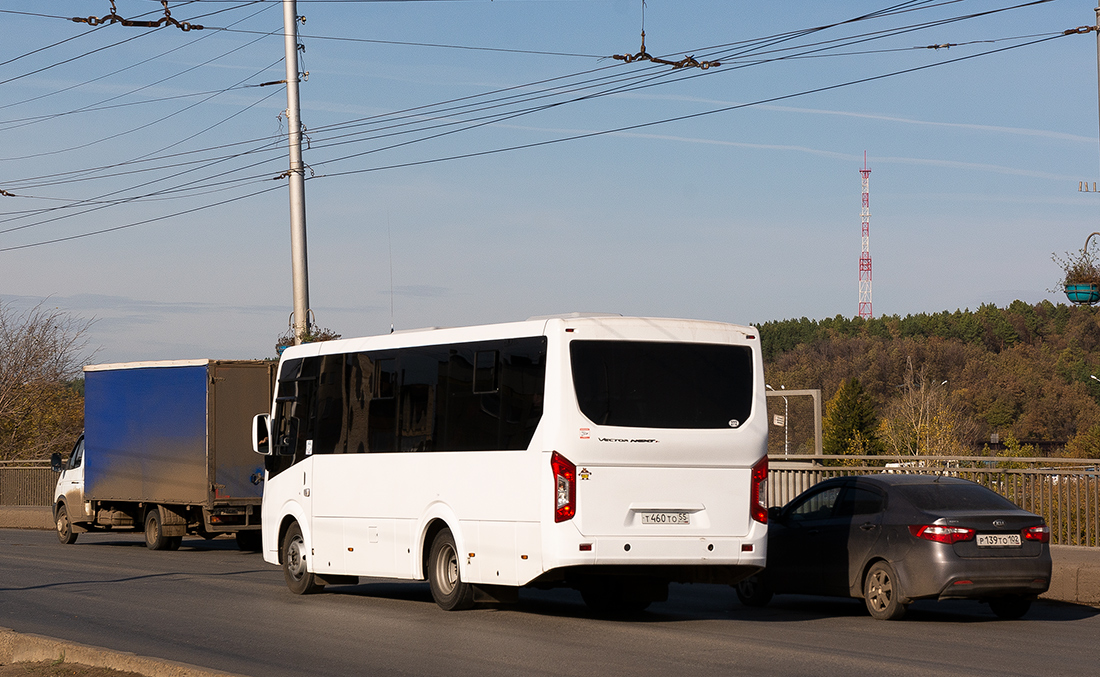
(650, 384)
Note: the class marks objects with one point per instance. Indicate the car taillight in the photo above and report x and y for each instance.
(941, 534)
(758, 494)
(1040, 533)
(565, 487)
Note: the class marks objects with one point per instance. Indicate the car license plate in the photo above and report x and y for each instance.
(666, 518)
(998, 540)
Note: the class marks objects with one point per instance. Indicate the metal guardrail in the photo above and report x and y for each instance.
(26, 483)
(1066, 492)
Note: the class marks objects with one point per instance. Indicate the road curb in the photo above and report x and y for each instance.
(1075, 576)
(17, 647)
(26, 517)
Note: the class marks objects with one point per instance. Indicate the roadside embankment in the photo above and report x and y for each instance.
(17, 647)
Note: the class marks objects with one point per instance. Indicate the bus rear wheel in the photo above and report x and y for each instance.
(448, 589)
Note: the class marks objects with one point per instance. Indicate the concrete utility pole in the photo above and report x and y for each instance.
(1097, 29)
(296, 175)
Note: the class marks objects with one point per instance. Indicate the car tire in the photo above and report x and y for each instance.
(65, 532)
(754, 592)
(1011, 607)
(882, 593)
(295, 569)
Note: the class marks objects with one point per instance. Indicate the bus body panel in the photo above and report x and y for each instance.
(372, 513)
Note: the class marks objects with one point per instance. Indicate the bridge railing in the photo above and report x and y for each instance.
(1066, 492)
(26, 483)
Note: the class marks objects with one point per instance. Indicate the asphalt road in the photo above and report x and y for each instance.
(211, 605)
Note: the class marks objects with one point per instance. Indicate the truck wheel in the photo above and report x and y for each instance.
(65, 532)
(448, 590)
(295, 569)
(154, 535)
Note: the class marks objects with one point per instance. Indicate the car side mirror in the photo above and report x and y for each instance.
(773, 513)
(55, 462)
(261, 434)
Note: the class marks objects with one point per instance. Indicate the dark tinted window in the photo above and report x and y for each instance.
(818, 505)
(651, 384)
(484, 396)
(860, 501)
(950, 496)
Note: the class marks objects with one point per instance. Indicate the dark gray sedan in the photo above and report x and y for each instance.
(895, 538)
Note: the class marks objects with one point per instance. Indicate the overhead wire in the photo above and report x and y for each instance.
(631, 81)
(432, 136)
(641, 81)
(55, 92)
(903, 5)
(679, 118)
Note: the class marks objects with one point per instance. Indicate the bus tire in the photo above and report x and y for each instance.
(448, 589)
(154, 534)
(65, 532)
(754, 592)
(295, 565)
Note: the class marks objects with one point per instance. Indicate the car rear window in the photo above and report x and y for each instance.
(950, 496)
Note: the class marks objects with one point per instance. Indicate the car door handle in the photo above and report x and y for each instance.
(867, 526)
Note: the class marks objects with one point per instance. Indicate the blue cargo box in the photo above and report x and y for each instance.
(175, 432)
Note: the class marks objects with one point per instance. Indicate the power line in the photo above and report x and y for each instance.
(637, 79)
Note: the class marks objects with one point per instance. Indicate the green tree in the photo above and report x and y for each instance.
(850, 423)
(924, 419)
(41, 404)
(1085, 444)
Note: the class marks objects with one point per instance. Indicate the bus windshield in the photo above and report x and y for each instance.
(651, 384)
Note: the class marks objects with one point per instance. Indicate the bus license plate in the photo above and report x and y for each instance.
(998, 540)
(666, 518)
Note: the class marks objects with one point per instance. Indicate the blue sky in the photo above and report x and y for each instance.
(746, 214)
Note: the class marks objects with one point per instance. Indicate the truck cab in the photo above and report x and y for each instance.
(70, 510)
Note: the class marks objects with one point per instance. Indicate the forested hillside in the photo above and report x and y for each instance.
(1023, 373)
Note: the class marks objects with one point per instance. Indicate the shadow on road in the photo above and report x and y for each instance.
(706, 602)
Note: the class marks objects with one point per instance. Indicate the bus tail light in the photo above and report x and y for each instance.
(758, 494)
(565, 487)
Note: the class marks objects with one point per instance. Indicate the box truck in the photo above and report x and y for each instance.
(167, 450)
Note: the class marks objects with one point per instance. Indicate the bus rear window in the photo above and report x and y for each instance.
(650, 384)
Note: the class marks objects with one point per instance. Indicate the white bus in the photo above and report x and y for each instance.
(608, 454)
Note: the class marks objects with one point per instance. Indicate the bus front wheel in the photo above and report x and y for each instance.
(295, 571)
(448, 590)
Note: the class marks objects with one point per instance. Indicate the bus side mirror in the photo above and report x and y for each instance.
(261, 434)
(55, 462)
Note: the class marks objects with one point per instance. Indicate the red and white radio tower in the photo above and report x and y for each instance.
(865, 257)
